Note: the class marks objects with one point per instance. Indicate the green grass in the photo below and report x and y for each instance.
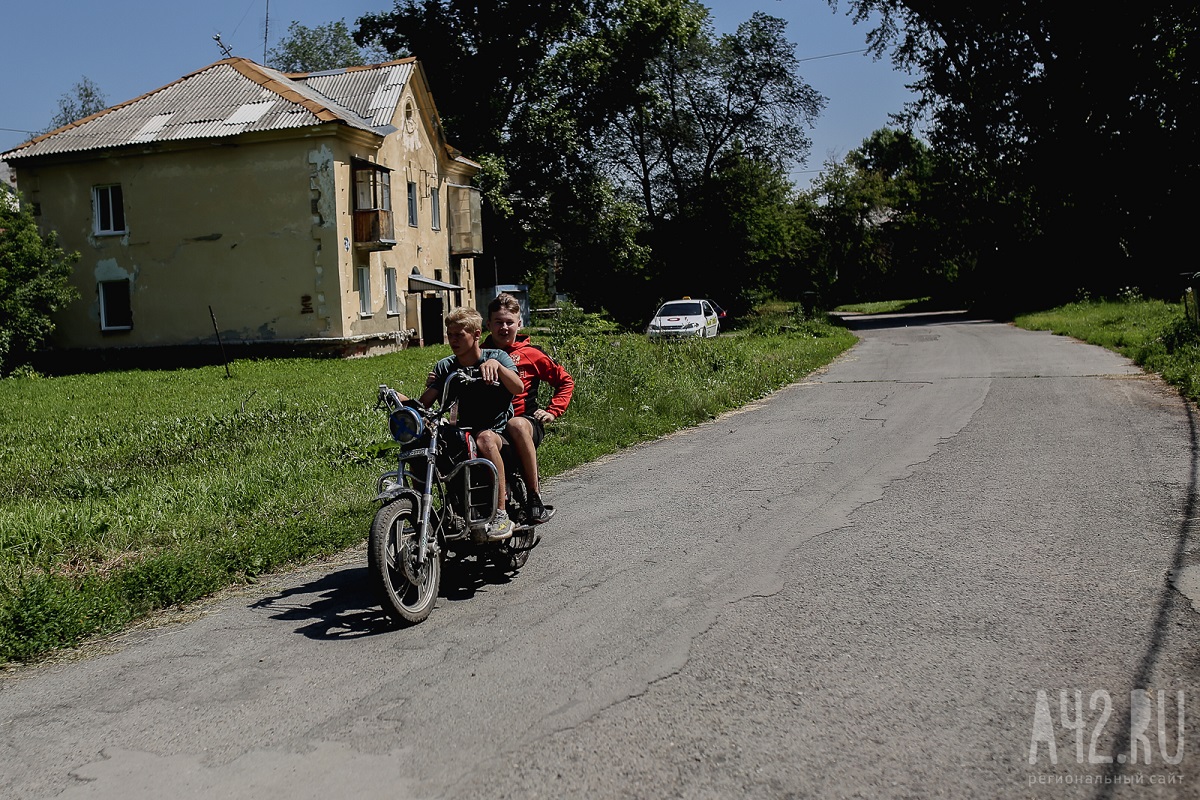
(1154, 334)
(127, 492)
(886, 306)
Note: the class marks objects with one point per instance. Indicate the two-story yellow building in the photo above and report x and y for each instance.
(314, 212)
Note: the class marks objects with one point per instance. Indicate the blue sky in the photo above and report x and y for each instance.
(130, 47)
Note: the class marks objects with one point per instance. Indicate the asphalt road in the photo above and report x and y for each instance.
(913, 575)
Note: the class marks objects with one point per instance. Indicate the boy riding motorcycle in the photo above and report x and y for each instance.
(486, 406)
(526, 427)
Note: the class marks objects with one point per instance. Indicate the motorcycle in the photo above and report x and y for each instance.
(438, 503)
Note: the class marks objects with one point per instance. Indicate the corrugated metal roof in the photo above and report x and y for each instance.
(231, 97)
(370, 93)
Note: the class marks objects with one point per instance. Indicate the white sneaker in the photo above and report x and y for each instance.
(501, 528)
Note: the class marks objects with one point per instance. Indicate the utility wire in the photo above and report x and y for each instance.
(833, 55)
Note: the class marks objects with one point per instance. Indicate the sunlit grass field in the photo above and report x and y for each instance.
(126, 492)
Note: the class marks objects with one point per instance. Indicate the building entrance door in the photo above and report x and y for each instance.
(432, 329)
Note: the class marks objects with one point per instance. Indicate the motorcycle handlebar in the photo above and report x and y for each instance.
(387, 396)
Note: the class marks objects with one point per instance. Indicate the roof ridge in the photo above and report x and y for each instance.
(340, 70)
(256, 73)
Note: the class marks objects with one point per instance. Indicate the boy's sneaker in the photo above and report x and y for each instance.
(538, 513)
(501, 528)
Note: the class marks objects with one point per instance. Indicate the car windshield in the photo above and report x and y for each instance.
(679, 310)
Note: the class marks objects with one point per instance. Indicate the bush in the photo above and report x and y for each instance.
(34, 283)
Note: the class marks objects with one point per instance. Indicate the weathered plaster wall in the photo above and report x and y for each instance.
(261, 231)
(413, 154)
(246, 229)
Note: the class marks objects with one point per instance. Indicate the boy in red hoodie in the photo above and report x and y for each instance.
(526, 427)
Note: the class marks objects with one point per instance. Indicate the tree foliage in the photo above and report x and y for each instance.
(890, 222)
(34, 283)
(492, 62)
(526, 88)
(705, 152)
(324, 47)
(1068, 140)
(612, 129)
(705, 97)
(84, 99)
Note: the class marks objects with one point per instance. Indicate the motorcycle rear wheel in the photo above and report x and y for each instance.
(406, 592)
(516, 550)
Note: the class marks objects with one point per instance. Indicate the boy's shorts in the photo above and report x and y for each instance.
(537, 430)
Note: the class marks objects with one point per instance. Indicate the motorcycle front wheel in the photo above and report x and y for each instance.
(407, 591)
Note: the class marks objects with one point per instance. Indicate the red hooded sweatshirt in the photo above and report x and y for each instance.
(535, 366)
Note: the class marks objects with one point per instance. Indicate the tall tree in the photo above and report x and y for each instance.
(34, 283)
(1079, 136)
(705, 153)
(705, 97)
(524, 87)
(739, 238)
(849, 208)
(84, 99)
(892, 220)
(328, 46)
(542, 92)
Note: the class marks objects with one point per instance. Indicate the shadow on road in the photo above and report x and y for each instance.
(856, 322)
(1171, 603)
(341, 605)
(462, 578)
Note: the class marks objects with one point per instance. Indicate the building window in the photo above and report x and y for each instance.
(364, 291)
(412, 203)
(435, 209)
(372, 206)
(393, 296)
(116, 310)
(108, 210)
(372, 188)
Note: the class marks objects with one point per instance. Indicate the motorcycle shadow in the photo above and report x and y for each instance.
(463, 576)
(343, 608)
(341, 605)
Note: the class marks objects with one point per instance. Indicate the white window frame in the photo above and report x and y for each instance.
(103, 206)
(391, 291)
(102, 290)
(364, 292)
(435, 209)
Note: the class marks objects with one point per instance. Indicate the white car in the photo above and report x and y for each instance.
(684, 318)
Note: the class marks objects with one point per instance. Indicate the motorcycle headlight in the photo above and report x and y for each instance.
(406, 424)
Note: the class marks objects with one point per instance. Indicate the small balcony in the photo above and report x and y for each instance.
(373, 230)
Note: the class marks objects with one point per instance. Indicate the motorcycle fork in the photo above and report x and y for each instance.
(427, 500)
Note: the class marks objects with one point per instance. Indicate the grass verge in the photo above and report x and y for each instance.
(887, 306)
(1153, 334)
(127, 492)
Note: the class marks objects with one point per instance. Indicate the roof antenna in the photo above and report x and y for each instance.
(266, 29)
(224, 47)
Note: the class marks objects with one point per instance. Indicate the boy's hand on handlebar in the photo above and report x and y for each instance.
(490, 370)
